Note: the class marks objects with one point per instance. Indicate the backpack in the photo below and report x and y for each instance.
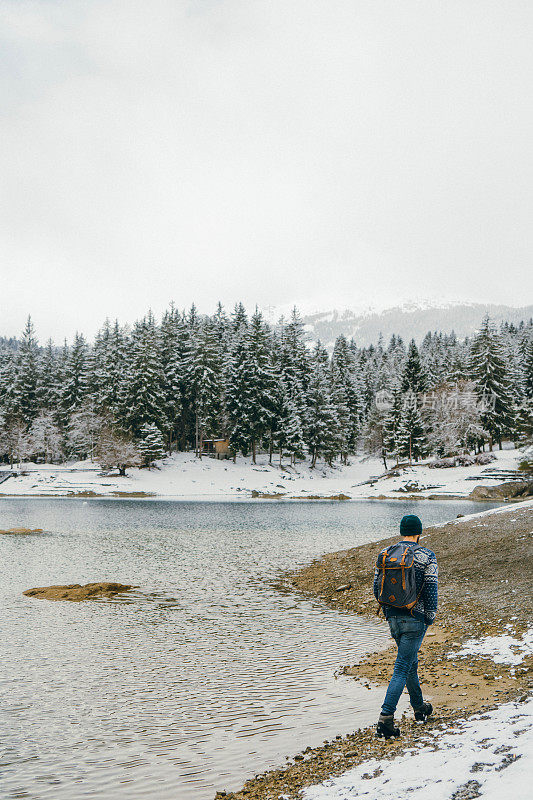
(396, 576)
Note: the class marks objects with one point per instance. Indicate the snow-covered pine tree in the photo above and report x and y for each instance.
(391, 425)
(184, 370)
(373, 434)
(513, 357)
(261, 380)
(294, 441)
(109, 401)
(151, 444)
(205, 377)
(107, 367)
(525, 411)
(396, 356)
(239, 410)
(322, 430)
(371, 366)
(48, 391)
(347, 393)
(288, 434)
(455, 360)
(432, 357)
(24, 396)
(74, 381)
(193, 319)
(239, 320)
(171, 365)
(413, 377)
(7, 382)
(143, 399)
(412, 442)
(487, 367)
(294, 359)
(223, 329)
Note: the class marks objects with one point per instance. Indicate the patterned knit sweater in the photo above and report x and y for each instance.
(427, 578)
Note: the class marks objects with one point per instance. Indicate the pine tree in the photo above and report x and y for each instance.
(487, 367)
(287, 431)
(152, 443)
(239, 408)
(432, 358)
(294, 359)
(292, 431)
(525, 409)
(455, 360)
(26, 377)
(74, 384)
(347, 393)
(412, 441)
(373, 434)
(107, 370)
(204, 376)
(48, 392)
(322, 430)
(413, 377)
(143, 400)
(223, 330)
(239, 320)
(261, 378)
(391, 425)
(184, 372)
(172, 369)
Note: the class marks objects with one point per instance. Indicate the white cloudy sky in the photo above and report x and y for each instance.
(323, 152)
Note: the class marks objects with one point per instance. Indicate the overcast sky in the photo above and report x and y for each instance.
(328, 153)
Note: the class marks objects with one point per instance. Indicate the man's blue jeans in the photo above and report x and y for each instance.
(408, 634)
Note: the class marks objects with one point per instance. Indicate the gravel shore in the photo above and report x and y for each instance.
(485, 564)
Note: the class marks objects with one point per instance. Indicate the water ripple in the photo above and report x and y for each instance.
(202, 676)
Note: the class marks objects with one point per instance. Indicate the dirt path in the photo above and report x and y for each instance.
(485, 566)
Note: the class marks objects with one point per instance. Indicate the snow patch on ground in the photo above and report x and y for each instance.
(184, 476)
(505, 649)
(486, 756)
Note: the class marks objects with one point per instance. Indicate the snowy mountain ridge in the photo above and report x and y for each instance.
(412, 319)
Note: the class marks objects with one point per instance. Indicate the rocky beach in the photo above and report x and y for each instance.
(477, 656)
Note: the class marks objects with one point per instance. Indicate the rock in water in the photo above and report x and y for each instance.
(77, 592)
(22, 531)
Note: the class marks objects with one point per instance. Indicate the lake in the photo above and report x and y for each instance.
(204, 675)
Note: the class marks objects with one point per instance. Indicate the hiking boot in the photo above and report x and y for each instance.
(386, 728)
(422, 713)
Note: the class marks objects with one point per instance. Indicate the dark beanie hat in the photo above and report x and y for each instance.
(410, 525)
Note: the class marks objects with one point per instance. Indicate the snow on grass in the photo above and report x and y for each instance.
(504, 649)
(486, 756)
(182, 475)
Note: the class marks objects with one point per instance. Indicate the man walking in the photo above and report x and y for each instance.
(406, 586)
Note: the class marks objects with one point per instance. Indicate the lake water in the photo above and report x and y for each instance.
(205, 675)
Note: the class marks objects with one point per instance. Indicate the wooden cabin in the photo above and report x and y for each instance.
(216, 448)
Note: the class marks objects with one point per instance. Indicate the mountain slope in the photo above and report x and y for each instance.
(409, 321)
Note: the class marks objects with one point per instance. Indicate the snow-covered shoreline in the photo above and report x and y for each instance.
(186, 477)
(487, 755)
